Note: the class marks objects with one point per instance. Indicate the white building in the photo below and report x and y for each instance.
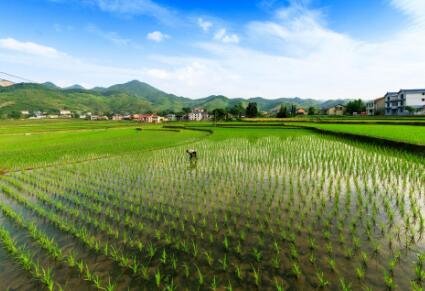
(117, 117)
(405, 102)
(65, 113)
(171, 117)
(198, 114)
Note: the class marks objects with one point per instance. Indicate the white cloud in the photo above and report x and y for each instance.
(157, 36)
(302, 56)
(223, 36)
(111, 36)
(414, 9)
(29, 48)
(133, 7)
(205, 25)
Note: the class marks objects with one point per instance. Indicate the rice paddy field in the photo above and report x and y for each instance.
(265, 208)
(412, 134)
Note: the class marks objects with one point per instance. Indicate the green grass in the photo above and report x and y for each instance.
(70, 141)
(35, 143)
(31, 126)
(401, 133)
(343, 119)
(252, 133)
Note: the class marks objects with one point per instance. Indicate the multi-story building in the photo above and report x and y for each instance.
(376, 107)
(198, 114)
(405, 102)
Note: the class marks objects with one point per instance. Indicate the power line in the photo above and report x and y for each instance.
(17, 77)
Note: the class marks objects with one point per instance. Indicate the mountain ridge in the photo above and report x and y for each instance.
(130, 97)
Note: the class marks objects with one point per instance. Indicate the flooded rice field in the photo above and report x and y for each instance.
(301, 212)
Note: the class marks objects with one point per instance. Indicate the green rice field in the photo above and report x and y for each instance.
(401, 133)
(261, 208)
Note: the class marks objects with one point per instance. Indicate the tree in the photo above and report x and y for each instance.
(236, 110)
(219, 114)
(355, 106)
(251, 110)
(15, 114)
(283, 112)
(186, 110)
(166, 112)
(311, 110)
(410, 109)
(293, 110)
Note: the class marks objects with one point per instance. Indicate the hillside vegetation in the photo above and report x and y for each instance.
(130, 97)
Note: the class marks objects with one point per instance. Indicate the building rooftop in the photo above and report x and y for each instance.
(412, 90)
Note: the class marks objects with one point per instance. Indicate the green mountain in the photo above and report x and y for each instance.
(75, 87)
(131, 97)
(50, 85)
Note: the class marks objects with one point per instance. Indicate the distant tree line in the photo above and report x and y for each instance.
(357, 106)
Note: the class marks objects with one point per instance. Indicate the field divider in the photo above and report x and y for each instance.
(395, 144)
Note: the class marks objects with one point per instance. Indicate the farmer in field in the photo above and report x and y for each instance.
(191, 153)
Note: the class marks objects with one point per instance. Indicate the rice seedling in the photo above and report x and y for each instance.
(296, 270)
(256, 276)
(201, 279)
(345, 286)
(158, 278)
(214, 285)
(321, 280)
(360, 273)
(389, 281)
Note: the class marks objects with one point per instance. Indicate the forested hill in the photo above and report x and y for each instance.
(131, 97)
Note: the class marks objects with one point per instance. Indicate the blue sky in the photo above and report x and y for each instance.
(309, 48)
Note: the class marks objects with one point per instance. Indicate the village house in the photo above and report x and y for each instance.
(149, 118)
(301, 111)
(39, 115)
(171, 117)
(98, 117)
(65, 114)
(198, 114)
(376, 107)
(405, 102)
(25, 112)
(117, 117)
(336, 110)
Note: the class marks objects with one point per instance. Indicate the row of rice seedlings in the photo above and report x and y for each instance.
(24, 258)
(53, 249)
(79, 232)
(197, 201)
